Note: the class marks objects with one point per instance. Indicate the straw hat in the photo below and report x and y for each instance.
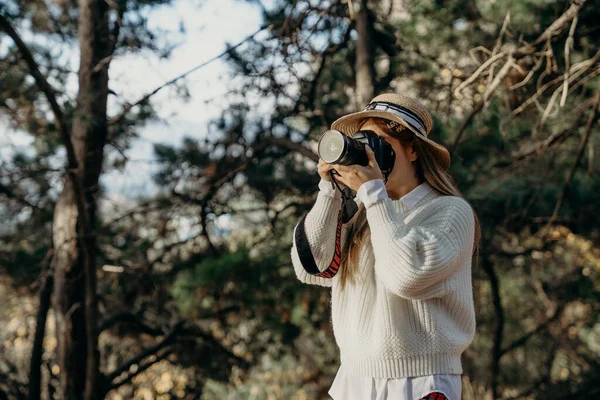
(402, 110)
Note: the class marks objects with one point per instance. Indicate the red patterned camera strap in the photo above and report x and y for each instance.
(306, 256)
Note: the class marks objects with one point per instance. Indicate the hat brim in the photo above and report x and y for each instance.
(350, 124)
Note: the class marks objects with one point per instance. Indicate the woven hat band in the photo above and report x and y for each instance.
(404, 113)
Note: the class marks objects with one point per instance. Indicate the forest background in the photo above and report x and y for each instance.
(155, 156)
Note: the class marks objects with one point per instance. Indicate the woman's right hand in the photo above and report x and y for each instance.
(323, 169)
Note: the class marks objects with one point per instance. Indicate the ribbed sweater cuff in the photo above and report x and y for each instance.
(327, 188)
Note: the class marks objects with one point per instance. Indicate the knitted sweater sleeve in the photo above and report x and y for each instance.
(414, 262)
(320, 226)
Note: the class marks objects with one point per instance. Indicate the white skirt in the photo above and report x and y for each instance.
(347, 386)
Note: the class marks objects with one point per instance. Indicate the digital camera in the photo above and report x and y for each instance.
(337, 148)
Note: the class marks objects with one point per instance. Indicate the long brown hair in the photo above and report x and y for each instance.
(427, 169)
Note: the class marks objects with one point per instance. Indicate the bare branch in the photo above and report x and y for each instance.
(35, 378)
(526, 50)
(558, 25)
(588, 129)
(10, 193)
(568, 47)
(141, 368)
(488, 267)
(548, 142)
(144, 98)
(119, 9)
(503, 73)
(478, 72)
(178, 330)
(529, 75)
(287, 143)
(167, 340)
(576, 71)
(501, 34)
(478, 107)
(127, 316)
(498, 45)
(541, 327)
(34, 70)
(142, 208)
(330, 50)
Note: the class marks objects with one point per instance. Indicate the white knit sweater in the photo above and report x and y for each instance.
(410, 312)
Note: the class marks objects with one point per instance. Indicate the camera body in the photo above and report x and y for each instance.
(337, 148)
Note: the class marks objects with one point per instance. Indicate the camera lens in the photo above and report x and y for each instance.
(331, 146)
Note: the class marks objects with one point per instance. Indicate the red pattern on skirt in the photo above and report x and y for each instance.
(434, 396)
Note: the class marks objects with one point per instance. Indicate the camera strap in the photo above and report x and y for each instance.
(305, 254)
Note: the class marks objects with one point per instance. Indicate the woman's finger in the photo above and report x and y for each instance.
(341, 168)
(371, 155)
(340, 179)
(323, 169)
(322, 162)
(326, 167)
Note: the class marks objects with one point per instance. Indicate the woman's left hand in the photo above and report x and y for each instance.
(355, 175)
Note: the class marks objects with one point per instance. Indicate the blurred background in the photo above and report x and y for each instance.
(155, 156)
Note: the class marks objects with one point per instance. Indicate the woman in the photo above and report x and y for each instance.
(402, 302)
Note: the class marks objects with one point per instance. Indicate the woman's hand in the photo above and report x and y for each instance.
(355, 175)
(323, 169)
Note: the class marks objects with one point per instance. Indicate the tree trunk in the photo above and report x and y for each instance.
(75, 303)
(35, 366)
(365, 67)
(69, 290)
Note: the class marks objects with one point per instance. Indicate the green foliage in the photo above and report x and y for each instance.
(231, 272)
(23, 264)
